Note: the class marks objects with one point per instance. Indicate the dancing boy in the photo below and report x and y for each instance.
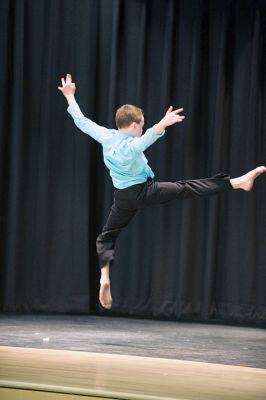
(132, 177)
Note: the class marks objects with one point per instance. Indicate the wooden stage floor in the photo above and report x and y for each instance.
(40, 374)
(68, 357)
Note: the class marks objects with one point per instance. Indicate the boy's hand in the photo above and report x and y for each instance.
(171, 117)
(68, 87)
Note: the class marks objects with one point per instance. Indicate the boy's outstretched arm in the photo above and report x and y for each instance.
(171, 117)
(87, 126)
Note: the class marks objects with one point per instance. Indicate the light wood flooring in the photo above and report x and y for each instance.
(34, 374)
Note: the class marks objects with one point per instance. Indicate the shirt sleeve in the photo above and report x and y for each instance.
(87, 126)
(140, 144)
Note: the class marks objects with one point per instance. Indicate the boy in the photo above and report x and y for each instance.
(133, 178)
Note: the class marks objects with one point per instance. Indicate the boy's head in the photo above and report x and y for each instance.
(130, 118)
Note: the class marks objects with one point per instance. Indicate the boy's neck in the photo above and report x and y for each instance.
(127, 131)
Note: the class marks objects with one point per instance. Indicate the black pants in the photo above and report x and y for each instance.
(128, 201)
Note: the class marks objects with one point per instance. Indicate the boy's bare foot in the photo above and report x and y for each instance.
(105, 296)
(246, 181)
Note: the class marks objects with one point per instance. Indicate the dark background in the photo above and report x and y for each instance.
(199, 260)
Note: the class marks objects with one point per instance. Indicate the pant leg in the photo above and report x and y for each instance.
(118, 219)
(128, 201)
(163, 192)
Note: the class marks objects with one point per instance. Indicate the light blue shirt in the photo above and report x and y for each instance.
(123, 154)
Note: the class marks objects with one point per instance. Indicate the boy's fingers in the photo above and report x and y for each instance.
(63, 81)
(169, 109)
(178, 110)
(60, 88)
(68, 78)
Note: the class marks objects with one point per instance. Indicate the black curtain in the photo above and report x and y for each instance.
(203, 259)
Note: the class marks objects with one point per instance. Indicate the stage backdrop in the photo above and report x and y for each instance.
(203, 259)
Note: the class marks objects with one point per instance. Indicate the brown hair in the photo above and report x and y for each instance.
(127, 114)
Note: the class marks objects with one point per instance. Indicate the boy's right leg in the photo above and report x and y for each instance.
(245, 182)
(163, 192)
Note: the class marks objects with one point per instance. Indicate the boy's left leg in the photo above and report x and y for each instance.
(105, 295)
(105, 243)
